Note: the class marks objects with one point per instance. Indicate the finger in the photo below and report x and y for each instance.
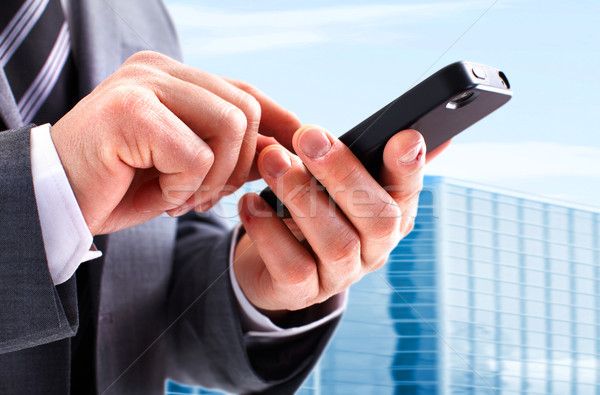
(219, 123)
(402, 173)
(276, 121)
(153, 63)
(366, 204)
(291, 277)
(261, 143)
(156, 134)
(241, 99)
(333, 239)
(403, 165)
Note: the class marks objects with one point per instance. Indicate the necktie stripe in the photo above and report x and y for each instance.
(19, 28)
(30, 57)
(35, 47)
(51, 64)
(26, 8)
(44, 82)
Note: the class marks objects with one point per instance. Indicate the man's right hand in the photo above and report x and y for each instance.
(161, 136)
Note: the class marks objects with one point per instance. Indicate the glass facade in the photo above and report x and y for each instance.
(492, 292)
(521, 294)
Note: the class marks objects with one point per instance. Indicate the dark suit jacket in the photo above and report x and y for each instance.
(166, 306)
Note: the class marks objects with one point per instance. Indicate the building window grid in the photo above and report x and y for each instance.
(522, 290)
(596, 221)
(591, 249)
(409, 272)
(471, 284)
(528, 238)
(540, 271)
(524, 379)
(573, 287)
(568, 304)
(548, 307)
(516, 202)
(550, 360)
(499, 328)
(516, 222)
(354, 352)
(399, 258)
(547, 273)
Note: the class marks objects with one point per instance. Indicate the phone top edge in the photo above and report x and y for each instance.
(504, 91)
(484, 75)
(448, 82)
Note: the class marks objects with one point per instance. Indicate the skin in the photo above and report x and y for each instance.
(284, 267)
(159, 136)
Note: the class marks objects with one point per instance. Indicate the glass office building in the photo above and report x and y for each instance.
(493, 292)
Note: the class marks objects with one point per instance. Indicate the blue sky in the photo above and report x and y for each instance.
(334, 63)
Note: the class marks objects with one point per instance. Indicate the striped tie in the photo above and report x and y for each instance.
(35, 51)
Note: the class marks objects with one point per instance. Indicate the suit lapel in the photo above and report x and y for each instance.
(96, 34)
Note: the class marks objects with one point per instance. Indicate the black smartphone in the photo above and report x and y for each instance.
(440, 107)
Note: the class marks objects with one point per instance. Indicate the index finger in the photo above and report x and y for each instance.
(276, 121)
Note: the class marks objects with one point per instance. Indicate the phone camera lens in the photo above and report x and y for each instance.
(461, 100)
(462, 97)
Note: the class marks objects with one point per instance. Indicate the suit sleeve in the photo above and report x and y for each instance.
(209, 345)
(33, 311)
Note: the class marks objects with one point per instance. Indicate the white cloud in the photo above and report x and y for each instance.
(226, 31)
(239, 44)
(198, 17)
(484, 161)
(570, 173)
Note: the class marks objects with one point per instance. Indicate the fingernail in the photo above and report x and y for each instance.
(276, 162)
(411, 154)
(314, 143)
(258, 208)
(180, 211)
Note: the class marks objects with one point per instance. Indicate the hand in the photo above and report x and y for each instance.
(279, 268)
(160, 136)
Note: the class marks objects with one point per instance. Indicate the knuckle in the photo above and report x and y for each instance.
(251, 108)
(246, 87)
(343, 282)
(345, 248)
(242, 84)
(136, 106)
(301, 288)
(386, 223)
(203, 160)
(377, 265)
(143, 75)
(348, 175)
(233, 119)
(302, 273)
(147, 57)
(301, 200)
(128, 102)
(385, 231)
(408, 192)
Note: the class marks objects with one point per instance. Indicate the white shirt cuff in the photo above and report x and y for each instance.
(67, 239)
(260, 325)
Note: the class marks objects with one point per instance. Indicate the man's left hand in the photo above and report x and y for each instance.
(290, 266)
